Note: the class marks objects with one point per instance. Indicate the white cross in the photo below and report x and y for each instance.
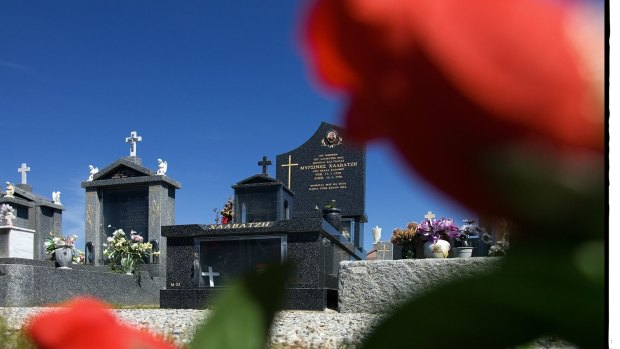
(430, 215)
(23, 171)
(133, 140)
(210, 274)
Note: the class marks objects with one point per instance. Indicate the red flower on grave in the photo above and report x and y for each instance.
(453, 83)
(87, 323)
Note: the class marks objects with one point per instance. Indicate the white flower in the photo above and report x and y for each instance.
(110, 239)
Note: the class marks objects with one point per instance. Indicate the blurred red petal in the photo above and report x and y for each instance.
(449, 81)
(87, 323)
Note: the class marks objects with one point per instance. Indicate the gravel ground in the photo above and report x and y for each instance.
(292, 329)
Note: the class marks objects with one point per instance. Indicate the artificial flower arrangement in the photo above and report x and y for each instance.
(437, 233)
(126, 254)
(406, 237)
(468, 231)
(53, 242)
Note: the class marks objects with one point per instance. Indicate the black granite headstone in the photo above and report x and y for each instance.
(326, 167)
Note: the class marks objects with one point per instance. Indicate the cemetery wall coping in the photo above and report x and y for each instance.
(381, 286)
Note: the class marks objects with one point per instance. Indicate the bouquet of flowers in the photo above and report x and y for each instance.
(53, 242)
(126, 254)
(405, 236)
(433, 229)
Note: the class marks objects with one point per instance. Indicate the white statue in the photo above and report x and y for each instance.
(376, 234)
(56, 197)
(162, 167)
(92, 171)
(6, 215)
(10, 190)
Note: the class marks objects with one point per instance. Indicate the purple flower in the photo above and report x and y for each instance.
(426, 227)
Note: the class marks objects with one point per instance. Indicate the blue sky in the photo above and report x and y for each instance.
(211, 86)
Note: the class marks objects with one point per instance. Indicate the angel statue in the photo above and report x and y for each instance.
(56, 197)
(162, 167)
(92, 171)
(10, 190)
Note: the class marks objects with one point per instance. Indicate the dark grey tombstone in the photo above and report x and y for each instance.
(261, 198)
(126, 195)
(327, 167)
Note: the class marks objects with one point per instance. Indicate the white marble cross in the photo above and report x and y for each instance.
(210, 274)
(430, 215)
(24, 169)
(133, 140)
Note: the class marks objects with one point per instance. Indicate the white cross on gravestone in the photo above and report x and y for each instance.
(133, 140)
(23, 171)
(430, 215)
(210, 274)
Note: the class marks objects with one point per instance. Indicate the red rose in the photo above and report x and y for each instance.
(453, 82)
(87, 323)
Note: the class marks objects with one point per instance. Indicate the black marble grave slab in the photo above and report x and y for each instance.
(202, 258)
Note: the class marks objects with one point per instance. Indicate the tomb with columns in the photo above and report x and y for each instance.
(127, 195)
(277, 219)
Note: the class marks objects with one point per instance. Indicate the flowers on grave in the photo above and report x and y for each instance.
(54, 241)
(405, 236)
(436, 229)
(126, 254)
(227, 212)
(88, 323)
(468, 231)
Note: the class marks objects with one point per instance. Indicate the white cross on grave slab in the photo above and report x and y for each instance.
(24, 169)
(430, 215)
(210, 274)
(133, 140)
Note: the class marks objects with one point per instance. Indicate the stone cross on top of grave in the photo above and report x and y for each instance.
(133, 140)
(24, 169)
(264, 163)
(430, 215)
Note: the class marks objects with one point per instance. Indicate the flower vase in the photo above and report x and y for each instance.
(440, 249)
(462, 252)
(332, 216)
(63, 256)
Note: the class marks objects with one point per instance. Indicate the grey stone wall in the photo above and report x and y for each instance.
(379, 286)
(37, 283)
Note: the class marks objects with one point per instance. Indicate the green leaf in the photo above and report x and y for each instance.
(243, 315)
(538, 291)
